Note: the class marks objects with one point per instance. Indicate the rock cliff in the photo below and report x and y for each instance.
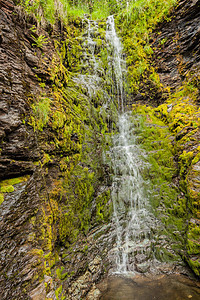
(50, 163)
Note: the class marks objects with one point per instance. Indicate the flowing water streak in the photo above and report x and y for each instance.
(131, 218)
(92, 26)
(91, 80)
(117, 64)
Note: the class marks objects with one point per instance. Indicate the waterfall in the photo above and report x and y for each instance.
(117, 63)
(90, 79)
(92, 27)
(132, 221)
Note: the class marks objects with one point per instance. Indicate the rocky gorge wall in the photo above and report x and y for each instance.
(54, 126)
(54, 187)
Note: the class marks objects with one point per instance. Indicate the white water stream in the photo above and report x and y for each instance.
(117, 64)
(132, 220)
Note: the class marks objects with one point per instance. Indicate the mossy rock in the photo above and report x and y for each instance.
(7, 186)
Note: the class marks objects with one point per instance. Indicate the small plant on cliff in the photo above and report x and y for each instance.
(41, 111)
(40, 41)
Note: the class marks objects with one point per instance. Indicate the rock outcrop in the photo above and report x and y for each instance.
(46, 119)
(176, 44)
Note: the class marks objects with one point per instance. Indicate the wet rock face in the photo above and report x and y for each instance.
(84, 283)
(16, 82)
(19, 150)
(29, 221)
(15, 251)
(15, 160)
(177, 44)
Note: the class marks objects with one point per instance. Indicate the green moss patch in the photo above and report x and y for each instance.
(136, 24)
(168, 202)
(7, 186)
(181, 117)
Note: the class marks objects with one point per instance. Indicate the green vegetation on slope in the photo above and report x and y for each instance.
(167, 201)
(72, 131)
(184, 122)
(136, 24)
(51, 10)
(180, 115)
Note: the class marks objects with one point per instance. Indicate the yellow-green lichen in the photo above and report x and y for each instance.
(7, 186)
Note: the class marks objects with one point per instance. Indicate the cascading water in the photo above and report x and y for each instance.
(117, 65)
(91, 80)
(132, 221)
(127, 243)
(92, 27)
(131, 217)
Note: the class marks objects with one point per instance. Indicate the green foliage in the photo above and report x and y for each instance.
(80, 190)
(183, 120)
(41, 111)
(50, 10)
(99, 9)
(33, 28)
(60, 273)
(59, 119)
(181, 116)
(102, 9)
(185, 160)
(7, 189)
(1, 198)
(136, 22)
(13, 181)
(7, 186)
(184, 111)
(77, 9)
(31, 6)
(195, 266)
(163, 41)
(104, 206)
(167, 202)
(58, 292)
(46, 11)
(39, 41)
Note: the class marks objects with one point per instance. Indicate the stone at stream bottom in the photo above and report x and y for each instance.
(39, 293)
(84, 283)
(94, 293)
